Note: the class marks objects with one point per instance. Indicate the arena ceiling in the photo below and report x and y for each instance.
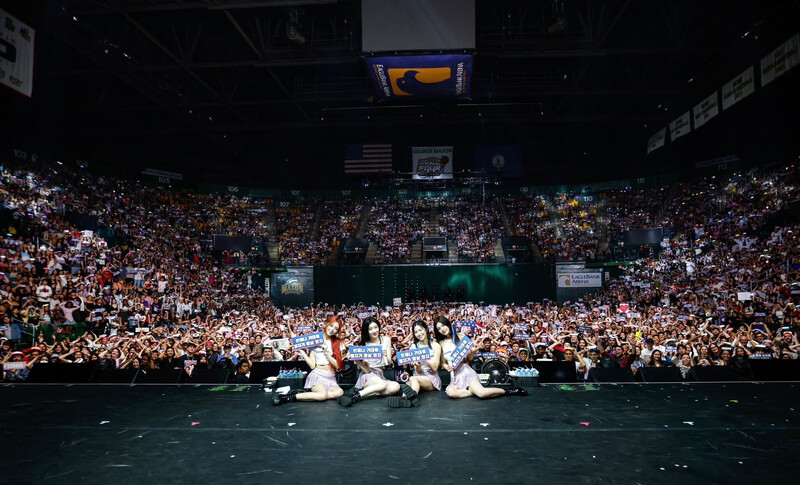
(217, 89)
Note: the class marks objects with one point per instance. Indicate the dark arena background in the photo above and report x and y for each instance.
(443, 241)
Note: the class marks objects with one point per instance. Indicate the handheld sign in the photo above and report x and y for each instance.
(414, 355)
(521, 336)
(460, 352)
(487, 355)
(367, 352)
(14, 365)
(304, 329)
(520, 327)
(308, 341)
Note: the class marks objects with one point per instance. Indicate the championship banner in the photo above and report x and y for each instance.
(405, 357)
(777, 62)
(460, 352)
(16, 54)
(432, 162)
(499, 160)
(366, 352)
(657, 141)
(705, 110)
(680, 126)
(580, 280)
(308, 341)
(738, 88)
(435, 76)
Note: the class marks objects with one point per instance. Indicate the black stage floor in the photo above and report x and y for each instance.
(698, 433)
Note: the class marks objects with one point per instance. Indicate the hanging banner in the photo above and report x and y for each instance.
(680, 126)
(432, 162)
(499, 160)
(738, 88)
(707, 109)
(16, 54)
(777, 62)
(657, 140)
(424, 77)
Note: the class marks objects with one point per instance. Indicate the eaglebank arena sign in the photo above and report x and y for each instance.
(580, 280)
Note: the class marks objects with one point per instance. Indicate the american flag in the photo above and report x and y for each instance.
(367, 159)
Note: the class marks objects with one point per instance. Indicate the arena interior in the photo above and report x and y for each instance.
(429, 241)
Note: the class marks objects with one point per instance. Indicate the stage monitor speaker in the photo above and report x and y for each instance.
(775, 369)
(209, 376)
(163, 376)
(660, 374)
(718, 373)
(117, 376)
(614, 374)
(61, 373)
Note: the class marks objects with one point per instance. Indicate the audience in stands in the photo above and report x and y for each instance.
(723, 290)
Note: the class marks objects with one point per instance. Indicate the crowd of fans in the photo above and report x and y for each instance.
(473, 227)
(722, 291)
(395, 225)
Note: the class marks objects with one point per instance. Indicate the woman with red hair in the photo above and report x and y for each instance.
(324, 361)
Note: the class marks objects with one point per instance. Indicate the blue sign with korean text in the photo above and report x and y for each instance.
(433, 76)
(522, 336)
(414, 355)
(308, 341)
(461, 351)
(371, 352)
(304, 328)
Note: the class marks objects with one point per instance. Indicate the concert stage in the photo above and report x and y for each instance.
(633, 433)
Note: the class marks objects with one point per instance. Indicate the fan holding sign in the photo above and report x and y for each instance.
(426, 375)
(324, 360)
(457, 350)
(371, 381)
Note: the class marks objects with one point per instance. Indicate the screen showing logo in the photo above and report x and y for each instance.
(292, 287)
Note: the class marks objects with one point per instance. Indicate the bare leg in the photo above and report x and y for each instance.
(458, 393)
(485, 392)
(335, 393)
(318, 393)
(375, 385)
(421, 382)
(392, 388)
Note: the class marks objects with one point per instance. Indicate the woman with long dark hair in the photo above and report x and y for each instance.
(324, 361)
(426, 375)
(371, 381)
(464, 381)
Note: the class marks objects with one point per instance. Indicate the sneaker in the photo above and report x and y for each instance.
(399, 402)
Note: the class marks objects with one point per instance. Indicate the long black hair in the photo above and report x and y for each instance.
(365, 329)
(420, 323)
(439, 336)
